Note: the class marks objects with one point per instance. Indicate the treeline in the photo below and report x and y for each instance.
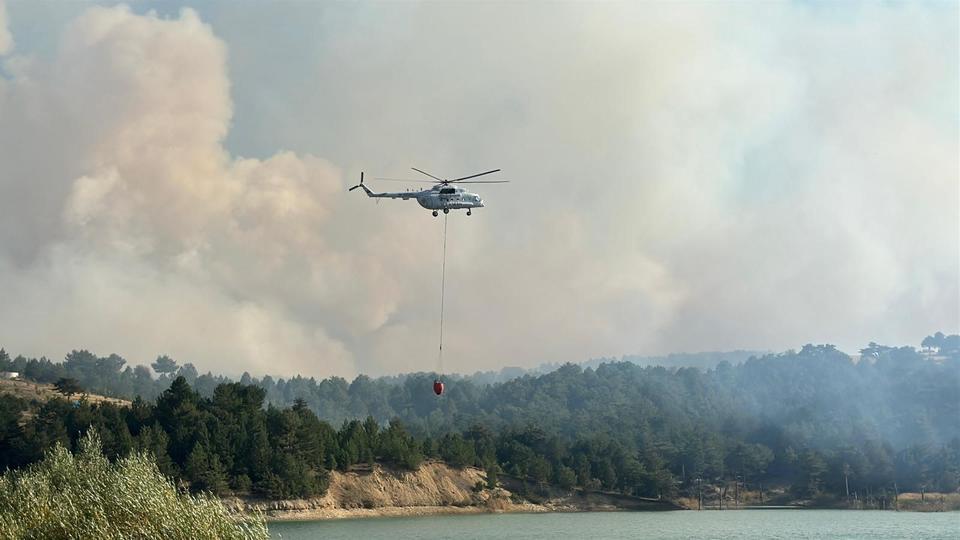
(111, 375)
(228, 443)
(870, 394)
(232, 444)
(813, 419)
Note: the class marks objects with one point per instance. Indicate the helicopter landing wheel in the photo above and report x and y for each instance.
(434, 213)
(469, 213)
(446, 210)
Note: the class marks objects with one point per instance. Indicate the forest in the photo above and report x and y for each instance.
(813, 420)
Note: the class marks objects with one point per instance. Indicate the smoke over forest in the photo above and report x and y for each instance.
(684, 178)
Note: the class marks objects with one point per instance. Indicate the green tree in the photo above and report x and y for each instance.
(164, 365)
(565, 477)
(812, 469)
(189, 372)
(68, 387)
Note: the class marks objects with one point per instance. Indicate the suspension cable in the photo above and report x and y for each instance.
(443, 281)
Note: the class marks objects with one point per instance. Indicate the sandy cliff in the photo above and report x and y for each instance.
(434, 488)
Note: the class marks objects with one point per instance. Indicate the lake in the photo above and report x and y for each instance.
(786, 524)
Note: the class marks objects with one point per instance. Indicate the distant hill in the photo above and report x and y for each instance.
(111, 376)
(700, 360)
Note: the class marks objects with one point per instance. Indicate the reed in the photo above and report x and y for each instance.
(86, 496)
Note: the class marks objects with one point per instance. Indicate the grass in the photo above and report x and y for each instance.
(68, 496)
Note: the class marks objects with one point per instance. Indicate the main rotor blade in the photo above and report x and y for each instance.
(475, 175)
(428, 174)
(405, 180)
(485, 182)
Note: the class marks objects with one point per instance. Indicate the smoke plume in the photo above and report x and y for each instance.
(684, 177)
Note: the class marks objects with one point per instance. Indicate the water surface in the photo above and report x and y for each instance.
(749, 524)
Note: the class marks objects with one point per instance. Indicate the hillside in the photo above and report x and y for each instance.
(812, 421)
(33, 391)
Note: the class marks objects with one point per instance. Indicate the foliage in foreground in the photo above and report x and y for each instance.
(86, 496)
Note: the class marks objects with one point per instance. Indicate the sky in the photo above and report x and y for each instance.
(685, 176)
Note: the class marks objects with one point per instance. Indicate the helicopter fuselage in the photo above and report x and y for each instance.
(438, 198)
(453, 198)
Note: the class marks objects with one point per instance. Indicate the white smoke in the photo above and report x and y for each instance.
(686, 177)
(130, 228)
(689, 177)
(6, 40)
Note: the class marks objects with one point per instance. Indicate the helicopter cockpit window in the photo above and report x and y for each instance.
(447, 191)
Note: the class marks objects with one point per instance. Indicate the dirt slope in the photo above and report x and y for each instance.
(43, 392)
(434, 488)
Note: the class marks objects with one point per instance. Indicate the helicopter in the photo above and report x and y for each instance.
(443, 196)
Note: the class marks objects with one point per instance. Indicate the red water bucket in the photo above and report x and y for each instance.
(437, 387)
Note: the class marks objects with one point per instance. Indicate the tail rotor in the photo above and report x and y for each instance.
(358, 185)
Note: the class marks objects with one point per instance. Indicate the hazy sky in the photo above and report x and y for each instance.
(685, 177)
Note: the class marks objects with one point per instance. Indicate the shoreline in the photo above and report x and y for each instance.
(332, 514)
(436, 489)
(282, 511)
